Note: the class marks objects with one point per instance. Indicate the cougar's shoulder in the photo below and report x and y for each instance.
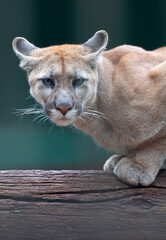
(117, 53)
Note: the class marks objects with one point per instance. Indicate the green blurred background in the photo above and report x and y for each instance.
(26, 144)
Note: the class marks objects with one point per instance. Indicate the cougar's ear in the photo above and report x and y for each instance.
(97, 44)
(23, 49)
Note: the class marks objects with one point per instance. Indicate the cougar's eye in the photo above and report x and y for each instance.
(78, 82)
(48, 82)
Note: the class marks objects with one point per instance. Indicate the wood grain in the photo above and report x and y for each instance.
(78, 205)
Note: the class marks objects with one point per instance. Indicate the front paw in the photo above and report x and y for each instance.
(111, 163)
(133, 173)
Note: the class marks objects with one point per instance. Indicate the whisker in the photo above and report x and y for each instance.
(29, 97)
(28, 111)
(38, 117)
(90, 110)
(46, 119)
(92, 114)
(42, 120)
(39, 112)
(52, 128)
(95, 113)
(94, 110)
(81, 118)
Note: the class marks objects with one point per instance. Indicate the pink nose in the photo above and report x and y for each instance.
(64, 108)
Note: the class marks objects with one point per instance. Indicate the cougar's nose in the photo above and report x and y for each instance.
(64, 107)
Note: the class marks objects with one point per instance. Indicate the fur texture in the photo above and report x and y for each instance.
(117, 96)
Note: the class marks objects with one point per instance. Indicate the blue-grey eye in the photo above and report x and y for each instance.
(77, 82)
(48, 82)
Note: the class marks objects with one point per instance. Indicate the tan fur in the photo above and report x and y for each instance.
(126, 87)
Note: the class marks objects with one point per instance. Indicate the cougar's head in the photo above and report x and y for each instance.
(63, 79)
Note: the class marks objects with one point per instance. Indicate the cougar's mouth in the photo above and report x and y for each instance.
(60, 119)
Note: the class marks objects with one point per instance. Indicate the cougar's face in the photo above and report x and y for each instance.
(65, 85)
(62, 78)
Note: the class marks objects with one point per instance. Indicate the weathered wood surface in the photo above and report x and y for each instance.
(79, 205)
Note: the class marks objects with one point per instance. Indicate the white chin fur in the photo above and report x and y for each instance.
(58, 118)
(61, 122)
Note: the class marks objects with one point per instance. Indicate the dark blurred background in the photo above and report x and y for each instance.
(26, 144)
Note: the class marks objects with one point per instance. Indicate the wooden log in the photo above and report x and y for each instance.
(79, 205)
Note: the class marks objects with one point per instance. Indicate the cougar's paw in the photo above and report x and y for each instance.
(111, 162)
(133, 173)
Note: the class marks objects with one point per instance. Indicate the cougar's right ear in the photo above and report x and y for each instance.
(98, 42)
(96, 45)
(23, 49)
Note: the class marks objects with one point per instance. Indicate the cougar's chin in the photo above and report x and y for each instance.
(62, 121)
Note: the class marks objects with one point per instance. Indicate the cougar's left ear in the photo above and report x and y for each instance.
(97, 44)
(23, 49)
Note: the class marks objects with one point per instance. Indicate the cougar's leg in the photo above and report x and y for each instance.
(142, 167)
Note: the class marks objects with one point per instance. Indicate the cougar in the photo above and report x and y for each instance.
(118, 97)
